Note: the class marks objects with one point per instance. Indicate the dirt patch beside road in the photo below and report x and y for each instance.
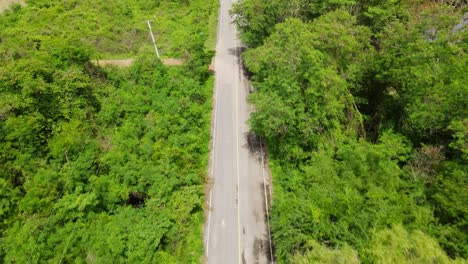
(4, 4)
(128, 62)
(172, 62)
(119, 63)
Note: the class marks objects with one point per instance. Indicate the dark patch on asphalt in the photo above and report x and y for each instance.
(243, 257)
(268, 254)
(243, 230)
(253, 145)
(260, 248)
(262, 190)
(257, 217)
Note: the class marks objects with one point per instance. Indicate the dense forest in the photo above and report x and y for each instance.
(363, 107)
(104, 165)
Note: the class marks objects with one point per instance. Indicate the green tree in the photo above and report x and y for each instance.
(424, 61)
(397, 245)
(321, 254)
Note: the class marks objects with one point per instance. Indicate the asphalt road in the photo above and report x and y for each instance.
(236, 229)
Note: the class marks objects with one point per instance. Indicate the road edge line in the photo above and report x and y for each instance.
(266, 202)
(237, 154)
(213, 144)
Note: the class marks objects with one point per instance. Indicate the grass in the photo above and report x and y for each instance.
(210, 43)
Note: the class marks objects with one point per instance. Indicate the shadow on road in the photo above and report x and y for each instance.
(237, 52)
(253, 145)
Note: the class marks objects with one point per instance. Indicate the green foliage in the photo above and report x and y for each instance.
(257, 18)
(424, 61)
(362, 107)
(307, 82)
(321, 254)
(460, 137)
(450, 197)
(102, 165)
(397, 245)
(111, 31)
(341, 199)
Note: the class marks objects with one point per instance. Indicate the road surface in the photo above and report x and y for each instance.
(236, 229)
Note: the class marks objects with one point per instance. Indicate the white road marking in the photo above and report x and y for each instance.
(237, 152)
(220, 22)
(266, 201)
(215, 97)
(212, 170)
(209, 224)
(238, 131)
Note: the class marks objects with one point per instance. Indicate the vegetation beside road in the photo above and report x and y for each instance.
(103, 165)
(363, 108)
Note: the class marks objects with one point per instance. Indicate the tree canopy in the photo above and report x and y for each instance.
(362, 105)
(103, 165)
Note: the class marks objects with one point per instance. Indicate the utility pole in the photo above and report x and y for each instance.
(152, 38)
